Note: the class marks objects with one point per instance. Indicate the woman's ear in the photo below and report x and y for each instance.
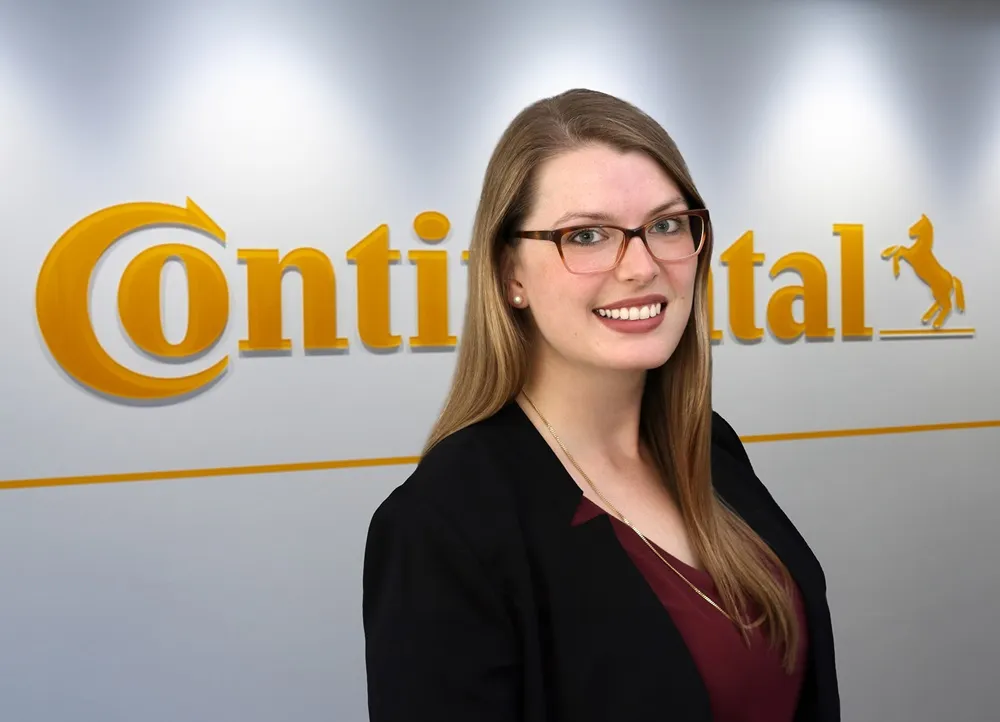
(513, 289)
(515, 293)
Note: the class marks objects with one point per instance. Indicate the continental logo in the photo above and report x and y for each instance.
(63, 288)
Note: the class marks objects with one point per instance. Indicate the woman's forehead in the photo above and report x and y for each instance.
(601, 184)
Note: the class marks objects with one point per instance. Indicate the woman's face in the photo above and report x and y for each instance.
(573, 312)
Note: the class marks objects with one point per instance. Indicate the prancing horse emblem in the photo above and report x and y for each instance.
(921, 258)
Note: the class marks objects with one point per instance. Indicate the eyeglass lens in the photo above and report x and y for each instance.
(596, 248)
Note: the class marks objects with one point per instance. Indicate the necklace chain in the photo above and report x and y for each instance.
(626, 521)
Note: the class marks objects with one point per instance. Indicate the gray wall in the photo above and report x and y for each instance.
(295, 123)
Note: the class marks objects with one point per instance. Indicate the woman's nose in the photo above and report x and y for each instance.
(637, 263)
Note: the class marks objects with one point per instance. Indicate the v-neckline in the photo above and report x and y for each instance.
(596, 564)
(588, 510)
(605, 578)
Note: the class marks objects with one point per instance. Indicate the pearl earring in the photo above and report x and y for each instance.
(517, 300)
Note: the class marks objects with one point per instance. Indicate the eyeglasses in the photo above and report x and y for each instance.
(595, 248)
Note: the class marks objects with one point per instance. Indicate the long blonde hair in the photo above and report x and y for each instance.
(676, 416)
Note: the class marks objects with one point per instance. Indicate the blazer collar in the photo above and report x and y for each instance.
(598, 578)
(597, 569)
(559, 497)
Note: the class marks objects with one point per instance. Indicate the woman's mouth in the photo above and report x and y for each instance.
(631, 313)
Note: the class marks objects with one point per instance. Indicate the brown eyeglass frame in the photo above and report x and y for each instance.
(556, 236)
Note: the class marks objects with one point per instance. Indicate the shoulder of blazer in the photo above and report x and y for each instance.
(737, 483)
(725, 437)
(458, 484)
(733, 472)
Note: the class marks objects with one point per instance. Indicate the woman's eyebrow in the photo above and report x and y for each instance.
(602, 217)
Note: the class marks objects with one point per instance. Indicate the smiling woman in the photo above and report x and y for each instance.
(602, 260)
(585, 538)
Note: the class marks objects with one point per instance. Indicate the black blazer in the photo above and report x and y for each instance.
(482, 603)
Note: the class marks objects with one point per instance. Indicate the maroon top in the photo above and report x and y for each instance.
(744, 684)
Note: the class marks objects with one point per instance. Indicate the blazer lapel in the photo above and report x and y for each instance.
(595, 604)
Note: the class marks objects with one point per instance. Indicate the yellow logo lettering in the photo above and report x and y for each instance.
(62, 295)
(852, 280)
(372, 256)
(432, 284)
(62, 300)
(319, 300)
(741, 259)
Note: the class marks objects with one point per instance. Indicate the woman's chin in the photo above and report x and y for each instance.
(637, 360)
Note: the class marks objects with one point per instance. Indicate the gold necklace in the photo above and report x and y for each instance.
(629, 523)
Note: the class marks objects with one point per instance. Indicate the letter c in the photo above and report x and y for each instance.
(62, 299)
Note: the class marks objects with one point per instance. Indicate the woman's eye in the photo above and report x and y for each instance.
(665, 226)
(587, 236)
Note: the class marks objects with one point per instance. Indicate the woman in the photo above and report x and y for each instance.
(584, 539)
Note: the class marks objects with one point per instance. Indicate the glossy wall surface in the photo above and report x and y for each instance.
(150, 568)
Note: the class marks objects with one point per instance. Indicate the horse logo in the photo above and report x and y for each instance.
(921, 258)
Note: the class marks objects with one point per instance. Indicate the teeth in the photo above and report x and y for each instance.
(632, 313)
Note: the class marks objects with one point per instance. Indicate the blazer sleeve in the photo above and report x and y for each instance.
(440, 644)
(731, 443)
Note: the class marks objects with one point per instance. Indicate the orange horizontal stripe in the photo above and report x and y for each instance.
(927, 332)
(199, 473)
(407, 460)
(877, 431)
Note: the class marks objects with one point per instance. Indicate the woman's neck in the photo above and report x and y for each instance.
(596, 410)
